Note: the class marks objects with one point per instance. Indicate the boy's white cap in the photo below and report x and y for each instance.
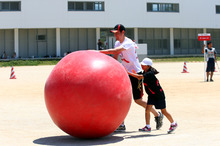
(147, 61)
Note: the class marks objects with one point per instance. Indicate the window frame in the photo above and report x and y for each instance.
(71, 6)
(163, 7)
(216, 8)
(41, 37)
(10, 3)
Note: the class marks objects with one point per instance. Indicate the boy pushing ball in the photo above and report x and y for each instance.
(155, 93)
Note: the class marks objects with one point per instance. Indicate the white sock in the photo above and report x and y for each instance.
(173, 123)
(157, 115)
(148, 126)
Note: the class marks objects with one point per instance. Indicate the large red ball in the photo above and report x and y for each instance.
(88, 94)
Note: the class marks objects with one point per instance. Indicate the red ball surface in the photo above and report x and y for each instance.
(88, 94)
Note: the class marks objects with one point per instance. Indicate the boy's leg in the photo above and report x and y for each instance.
(168, 115)
(173, 125)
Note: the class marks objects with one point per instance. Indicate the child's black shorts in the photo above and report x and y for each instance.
(159, 103)
(137, 88)
(210, 65)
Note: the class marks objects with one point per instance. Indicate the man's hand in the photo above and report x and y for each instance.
(133, 71)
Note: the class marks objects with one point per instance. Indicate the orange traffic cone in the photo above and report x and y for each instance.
(185, 68)
(12, 76)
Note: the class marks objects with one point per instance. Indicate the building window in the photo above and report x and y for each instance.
(217, 9)
(99, 6)
(157, 40)
(10, 6)
(79, 6)
(85, 6)
(41, 37)
(162, 7)
(177, 43)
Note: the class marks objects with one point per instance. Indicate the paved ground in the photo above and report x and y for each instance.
(193, 103)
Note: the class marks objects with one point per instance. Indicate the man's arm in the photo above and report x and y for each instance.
(116, 50)
(215, 57)
(115, 56)
(203, 49)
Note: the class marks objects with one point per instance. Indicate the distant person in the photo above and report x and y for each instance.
(4, 55)
(155, 93)
(14, 55)
(106, 44)
(125, 48)
(66, 53)
(100, 45)
(211, 59)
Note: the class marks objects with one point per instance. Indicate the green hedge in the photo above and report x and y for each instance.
(37, 62)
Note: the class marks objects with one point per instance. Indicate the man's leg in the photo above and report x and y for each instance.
(211, 77)
(147, 128)
(157, 115)
(147, 114)
(207, 76)
(144, 105)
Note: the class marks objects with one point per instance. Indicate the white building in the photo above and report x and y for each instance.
(43, 28)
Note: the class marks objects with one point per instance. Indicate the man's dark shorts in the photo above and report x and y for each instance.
(210, 65)
(137, 88)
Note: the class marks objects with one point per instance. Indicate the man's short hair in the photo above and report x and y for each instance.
(209, 43)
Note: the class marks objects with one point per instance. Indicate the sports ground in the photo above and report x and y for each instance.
(193, 103)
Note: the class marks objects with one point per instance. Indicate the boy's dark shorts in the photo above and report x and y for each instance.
(137, 88)
(210, 65)
(159, 103)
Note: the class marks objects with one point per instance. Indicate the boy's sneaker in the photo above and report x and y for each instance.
(121, 128)
(172, 128)
(211, 80)
(145, 129)
(159, 121)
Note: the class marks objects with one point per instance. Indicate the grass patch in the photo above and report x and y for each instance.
(37, 62)
(28, 62)
(178, 59)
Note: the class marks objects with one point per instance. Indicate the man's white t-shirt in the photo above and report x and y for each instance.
(129, 56)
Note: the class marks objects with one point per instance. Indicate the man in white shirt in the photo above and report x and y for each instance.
(126, 49)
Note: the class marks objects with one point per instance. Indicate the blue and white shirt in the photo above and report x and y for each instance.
(210, 53)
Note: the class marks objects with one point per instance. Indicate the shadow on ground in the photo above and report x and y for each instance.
(69, 140)
(110, 139)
